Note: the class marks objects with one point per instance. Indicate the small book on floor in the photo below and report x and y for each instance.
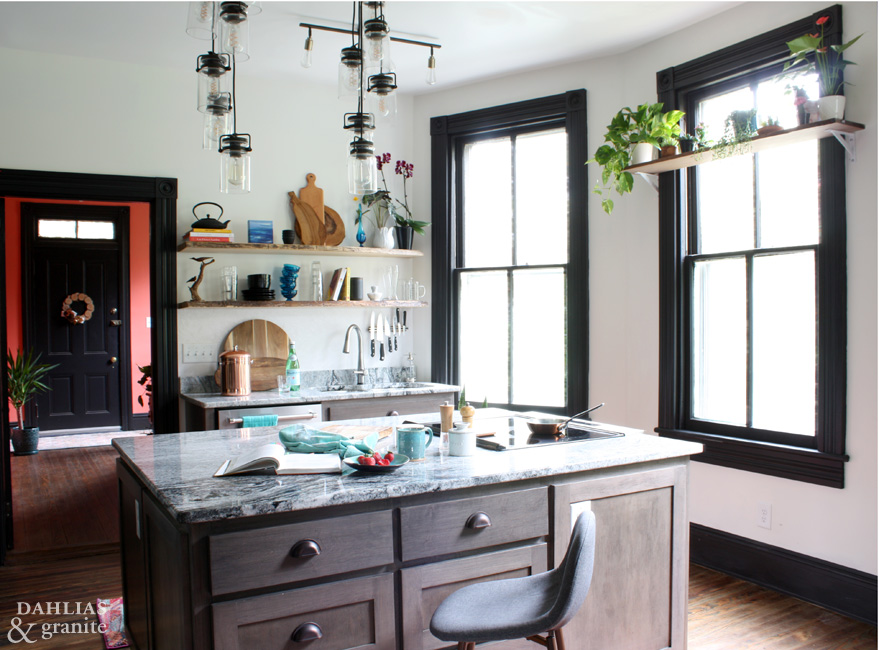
(274, 459)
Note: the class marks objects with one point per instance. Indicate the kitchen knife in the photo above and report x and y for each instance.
(388, 334)
(396, 327)
(405, 329)
(379, 334)
(372, 334)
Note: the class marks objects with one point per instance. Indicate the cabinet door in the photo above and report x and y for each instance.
(375, 407)
(638, 596)
(134, 576)
(425, 587)
(335, 616)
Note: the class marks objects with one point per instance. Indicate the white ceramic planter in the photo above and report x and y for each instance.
(643, 152)
(383, 238)
(831, 107)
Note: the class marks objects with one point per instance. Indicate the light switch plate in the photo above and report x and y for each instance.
(199, 353)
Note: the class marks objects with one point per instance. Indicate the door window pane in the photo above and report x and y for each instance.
(539, 337)
(720, 341)
(488, 203)
(542, 198)
(789, 186)
(785, 349)
(484, 335)
(56, 229)
(96, 230)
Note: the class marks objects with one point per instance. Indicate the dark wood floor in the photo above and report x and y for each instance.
(724, 613)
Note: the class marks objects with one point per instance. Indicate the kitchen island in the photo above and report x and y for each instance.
(362, 560)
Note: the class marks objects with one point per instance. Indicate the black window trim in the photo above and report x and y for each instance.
(447, 133)
(825, 464)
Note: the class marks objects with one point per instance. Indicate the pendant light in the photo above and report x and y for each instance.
(306, 55)
(382, 94)
(350, 71)
(431, 68)
(362, 167)
(216, 120)
(212, 78)
(234, 29)
(235, 152)
(200, 20)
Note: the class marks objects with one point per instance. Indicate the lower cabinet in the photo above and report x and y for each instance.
(425, 587)
(348, 614)
(374, 407)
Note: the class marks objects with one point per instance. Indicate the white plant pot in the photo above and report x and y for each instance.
(643, 152)
(831, 107)
(383, 238)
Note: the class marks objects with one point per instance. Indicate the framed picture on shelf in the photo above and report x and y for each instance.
(260, 232)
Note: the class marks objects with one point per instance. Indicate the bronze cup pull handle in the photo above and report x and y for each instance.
(478, 520)
(307, 632)
(305, 548)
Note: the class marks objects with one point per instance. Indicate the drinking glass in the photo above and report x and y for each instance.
(230, 283)
(317, 284)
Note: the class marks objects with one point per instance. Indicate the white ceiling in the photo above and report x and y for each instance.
(479, 40)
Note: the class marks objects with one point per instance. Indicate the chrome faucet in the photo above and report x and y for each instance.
(360, 372)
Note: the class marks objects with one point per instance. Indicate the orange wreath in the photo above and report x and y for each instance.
(68, 312)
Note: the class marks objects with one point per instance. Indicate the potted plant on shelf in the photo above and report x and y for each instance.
(25, 376)
(631, 138)
(808, 53)
(381, 204)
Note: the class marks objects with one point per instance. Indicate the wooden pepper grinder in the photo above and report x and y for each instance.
(467, 413)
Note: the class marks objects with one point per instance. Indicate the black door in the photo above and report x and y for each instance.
(75, 306)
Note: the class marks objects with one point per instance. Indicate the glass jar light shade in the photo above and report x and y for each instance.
(383, 95)
(217, 121)
(377, 41)
(235, 163)
(200, 20)
(362, 168)
(213, 81)
(234, 30)
(349, 72)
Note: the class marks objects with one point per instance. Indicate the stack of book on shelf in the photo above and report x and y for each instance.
(219, 235)
(340, 285)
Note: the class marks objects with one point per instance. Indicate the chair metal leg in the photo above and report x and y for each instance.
(560, 640)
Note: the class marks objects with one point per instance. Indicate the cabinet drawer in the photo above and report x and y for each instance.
(467, 524)
(350, 614)
(425, 587)
(277, 555)
(374, 407)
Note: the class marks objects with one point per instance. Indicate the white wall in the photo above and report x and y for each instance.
(72, 114)
(835, 525)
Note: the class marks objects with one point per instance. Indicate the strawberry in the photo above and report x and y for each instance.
(389, 456)
(384, 461)
(367, 460)
(377, 456)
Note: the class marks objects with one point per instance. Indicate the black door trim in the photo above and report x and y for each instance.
(121, 216)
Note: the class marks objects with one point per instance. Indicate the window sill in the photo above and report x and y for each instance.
(794, 463)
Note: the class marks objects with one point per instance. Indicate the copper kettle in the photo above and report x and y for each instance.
(235, 372)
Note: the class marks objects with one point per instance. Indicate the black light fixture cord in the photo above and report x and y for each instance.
(234, 100)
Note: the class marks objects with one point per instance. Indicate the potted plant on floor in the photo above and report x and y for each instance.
(25, 376)
(631, 138)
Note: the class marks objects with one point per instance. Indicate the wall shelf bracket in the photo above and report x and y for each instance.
(847, 140)
(651, 179)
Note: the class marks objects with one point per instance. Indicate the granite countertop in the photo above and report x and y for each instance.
(178, 469)
(315, 395)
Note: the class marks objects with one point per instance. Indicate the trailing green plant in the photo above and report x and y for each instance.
(647, 124)
(737, 134)
(25, 374)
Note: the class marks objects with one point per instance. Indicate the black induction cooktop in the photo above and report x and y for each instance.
(503, 434)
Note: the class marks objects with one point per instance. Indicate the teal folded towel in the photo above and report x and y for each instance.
(302, 440)
(269, 420)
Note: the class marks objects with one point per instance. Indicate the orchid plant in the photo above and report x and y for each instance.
(809, 54)
(381, 205)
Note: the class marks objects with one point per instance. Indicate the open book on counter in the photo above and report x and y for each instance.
(273, 457)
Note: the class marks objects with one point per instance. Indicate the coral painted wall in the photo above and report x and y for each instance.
(139, 284)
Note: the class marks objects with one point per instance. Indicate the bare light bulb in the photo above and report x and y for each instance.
(431, 69)
(306, 55)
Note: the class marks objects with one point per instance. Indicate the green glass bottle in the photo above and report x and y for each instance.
(293, 379)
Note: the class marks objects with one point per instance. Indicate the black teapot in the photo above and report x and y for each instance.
(208, 222)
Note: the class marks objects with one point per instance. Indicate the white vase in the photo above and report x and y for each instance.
(831, 107)
(643, 152)
(383, 238)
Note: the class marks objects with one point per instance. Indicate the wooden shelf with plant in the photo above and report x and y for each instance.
(239, 304)
(297, 249)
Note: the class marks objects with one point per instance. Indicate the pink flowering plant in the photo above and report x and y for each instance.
(809, 53)
(380, 203)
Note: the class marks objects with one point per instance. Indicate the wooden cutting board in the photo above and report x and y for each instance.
(313, 196)
(358, 431)
(334, 225)
(309, 228)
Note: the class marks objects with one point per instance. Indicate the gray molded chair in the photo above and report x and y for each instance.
(522, 607)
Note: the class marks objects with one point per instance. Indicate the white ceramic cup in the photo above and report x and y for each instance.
(462, 441)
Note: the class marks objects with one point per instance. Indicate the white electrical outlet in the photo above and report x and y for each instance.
(764, 514)
(199, 353)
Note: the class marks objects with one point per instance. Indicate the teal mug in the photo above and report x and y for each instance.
(413, 441)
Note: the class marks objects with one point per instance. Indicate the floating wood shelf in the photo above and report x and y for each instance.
(841, 130)
(297, 249)
(238, 304)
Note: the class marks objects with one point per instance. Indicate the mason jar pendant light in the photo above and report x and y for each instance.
(349, 71)
(200, 20)
(377, 40)
(212, 78)
(382, 94)
(235, 152)
(234, 30)
(216, 120)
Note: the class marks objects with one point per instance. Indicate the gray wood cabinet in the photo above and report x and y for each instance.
(371, 574)
(374, 407)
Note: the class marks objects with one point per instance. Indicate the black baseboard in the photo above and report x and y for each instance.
(840, 589)
(140, 422)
